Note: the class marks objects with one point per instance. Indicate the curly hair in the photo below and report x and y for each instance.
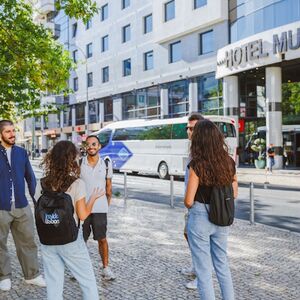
(60, 166)
(209, 152)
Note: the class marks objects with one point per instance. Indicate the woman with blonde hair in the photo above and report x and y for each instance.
(210, 166)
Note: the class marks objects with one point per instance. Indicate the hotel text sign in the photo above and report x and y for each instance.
(254, 50)
(262, 51)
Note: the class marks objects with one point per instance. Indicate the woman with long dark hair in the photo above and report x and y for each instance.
(62, 173)
(211, 166)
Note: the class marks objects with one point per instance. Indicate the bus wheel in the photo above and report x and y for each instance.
(163, 171)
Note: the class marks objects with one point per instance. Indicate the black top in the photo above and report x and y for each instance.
(203, 192)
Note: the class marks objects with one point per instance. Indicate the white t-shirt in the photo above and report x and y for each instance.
(8, 153)
(95, 177)
(76, 191)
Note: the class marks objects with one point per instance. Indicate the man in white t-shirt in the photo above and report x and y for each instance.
(96, 173)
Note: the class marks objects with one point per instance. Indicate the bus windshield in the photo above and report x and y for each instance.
(104, 137)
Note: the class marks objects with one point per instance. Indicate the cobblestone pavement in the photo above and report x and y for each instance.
(147, 251)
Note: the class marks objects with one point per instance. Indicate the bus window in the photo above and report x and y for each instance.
(179, 131)
(227, 129)
(157, 132)
(125, 134)
(104, 137)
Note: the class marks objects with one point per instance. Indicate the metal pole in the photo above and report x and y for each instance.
(252, 203)
(33, 137)
(125, 187)
(172, 191)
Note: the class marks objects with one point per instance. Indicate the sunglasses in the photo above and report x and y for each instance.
(95, 144)
(189, 128)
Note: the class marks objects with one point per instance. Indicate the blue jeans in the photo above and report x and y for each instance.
(208, 243)
(76, 257)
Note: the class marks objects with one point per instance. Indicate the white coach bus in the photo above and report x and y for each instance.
(156, 146)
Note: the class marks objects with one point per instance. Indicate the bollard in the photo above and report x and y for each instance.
(252, 203)
(172, 191)
(125, 187)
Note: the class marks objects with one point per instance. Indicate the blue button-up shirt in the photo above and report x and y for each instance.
(15, 173)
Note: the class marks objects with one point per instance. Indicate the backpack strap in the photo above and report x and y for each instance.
(106, 167)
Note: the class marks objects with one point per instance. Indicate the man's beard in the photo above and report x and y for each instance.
(94, 154)
(9, 141)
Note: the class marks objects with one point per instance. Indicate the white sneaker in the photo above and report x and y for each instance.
(108, 274)
(39, 281)
(188, 271)
(192, 285)
(5, 285)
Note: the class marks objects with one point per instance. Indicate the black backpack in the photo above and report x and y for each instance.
(54, 218)
(221, 208)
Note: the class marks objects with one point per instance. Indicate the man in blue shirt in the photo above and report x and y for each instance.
(15, 212)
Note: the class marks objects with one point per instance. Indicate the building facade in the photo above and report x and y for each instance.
(166, 58)
(260, 69)
(138, 59)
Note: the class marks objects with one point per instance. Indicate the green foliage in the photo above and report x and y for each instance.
(31, 62)
(291, 98)
(259, 145)
(78, 9)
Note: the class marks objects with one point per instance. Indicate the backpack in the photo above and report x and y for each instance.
(221, 208)
(54, 218)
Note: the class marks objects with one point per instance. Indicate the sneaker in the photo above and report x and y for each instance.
(39, 281)
(5, 285)
(192, 285)
(108, 274)
(188, 271)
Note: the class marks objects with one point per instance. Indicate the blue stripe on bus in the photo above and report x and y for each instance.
(118, 153)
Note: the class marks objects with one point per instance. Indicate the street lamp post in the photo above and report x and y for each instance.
(87, 88)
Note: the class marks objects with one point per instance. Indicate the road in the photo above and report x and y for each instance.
(280, 208)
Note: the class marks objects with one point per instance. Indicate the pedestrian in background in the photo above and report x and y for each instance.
(97, 173)
(193, 118)
(270, 158)
(210, 166)
(15, 211)
(62, 172)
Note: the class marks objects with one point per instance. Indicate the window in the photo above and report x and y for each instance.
(75, 56)
(104, 137)
(175, 52)
(179, 131)
(104, 43)
(79, 113)
(199, 3)
(89, 50)
(125, 3)
(148, 24)
(127, 67)
(227, 129)
(104, 12)
(105, 74)
(88, 24)
(178, 93)
(155, 132)
(90, 79)
(75, 84)
(74, 30)
(206, 42)
(148, 60)
(126, 33)
(169, 10)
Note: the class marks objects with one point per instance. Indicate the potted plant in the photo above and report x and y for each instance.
(259, 145)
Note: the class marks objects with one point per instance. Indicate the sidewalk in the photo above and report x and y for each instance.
(147, 250)
(289, 178)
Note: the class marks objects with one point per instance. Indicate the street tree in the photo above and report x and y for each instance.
(32, 63)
